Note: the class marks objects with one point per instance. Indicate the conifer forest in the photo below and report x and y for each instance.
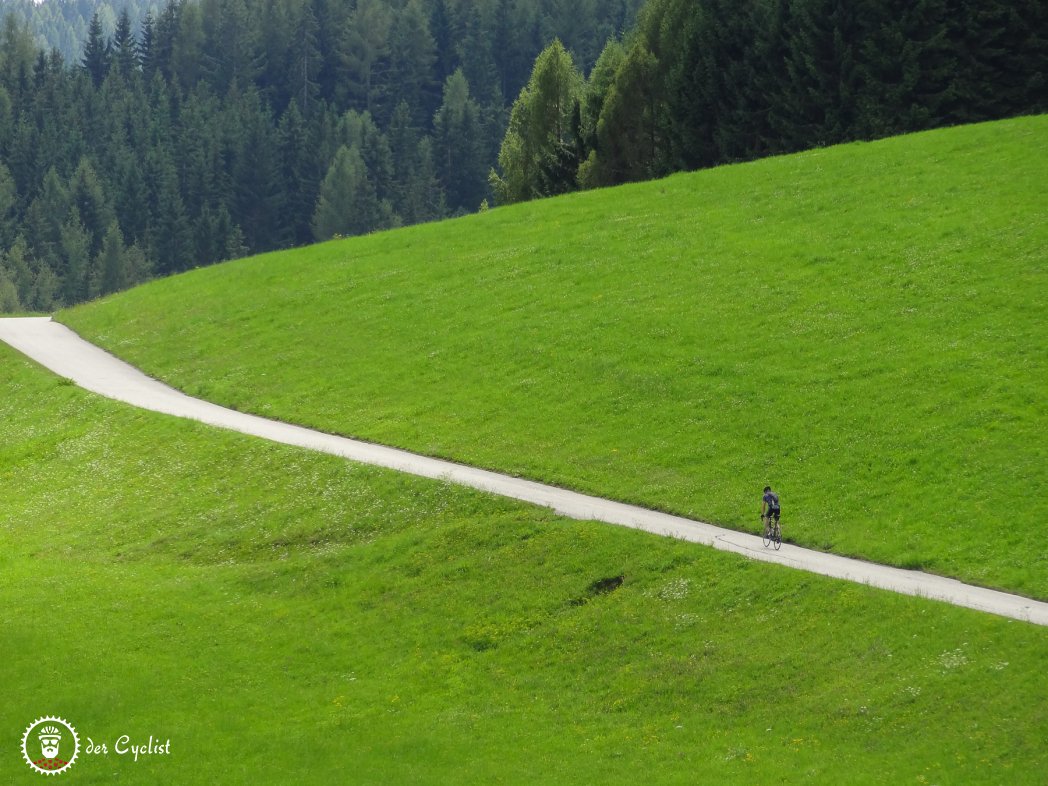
(139, 140)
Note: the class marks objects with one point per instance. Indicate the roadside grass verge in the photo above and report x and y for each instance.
(283, 617)
(860, 326)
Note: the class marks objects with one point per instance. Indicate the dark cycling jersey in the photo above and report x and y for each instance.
(772, 499)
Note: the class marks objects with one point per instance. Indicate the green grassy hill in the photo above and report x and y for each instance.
(287, 617)
(861, 326)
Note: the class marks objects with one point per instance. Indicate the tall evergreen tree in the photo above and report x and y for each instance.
(169, 238)
(18, 51)
(147, 53)
(89, 200)
(125, 47)
(359, 131)
(111, 264)
(260, 190)
(300, 171)
(234, 56)
(819, 102)
(306, 60)
(75, 260)
(629, 146)
(458, 146)
(8, 204)
(424, 199)
(348, 203)
(364, 49)
(44, 219)
(97, 52)
(413, 56)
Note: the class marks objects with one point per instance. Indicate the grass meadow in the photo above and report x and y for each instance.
(860, 326)
(288, 617)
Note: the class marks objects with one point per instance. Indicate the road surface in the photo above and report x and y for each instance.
(59, 349)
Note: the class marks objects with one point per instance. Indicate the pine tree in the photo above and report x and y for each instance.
(404, 139)
(458, 146)
(97, 52)
(190, 59)
(300, 172)
(18, 51)
(597, 86)
(442, 28)
(232, 54)
(8, 203)
(425, 198)
(125, 47)
(628, 141)
(112, 263)
(76, 261)
(91, 204)
(413, 56)
(358, 130)
(9, 300)
(1001, 49)
(819, 103)
(348, 203)
(44, 219)
(148, 51)
(365, 46)
(19, 266)
(44, 295)
(306, 60)
(169, 238)
(259, 184)
(475, 52)
(904, 69)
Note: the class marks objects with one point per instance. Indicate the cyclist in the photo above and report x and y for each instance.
(769, 507)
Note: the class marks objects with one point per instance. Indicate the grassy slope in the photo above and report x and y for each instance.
(859, 326)
(283, 616)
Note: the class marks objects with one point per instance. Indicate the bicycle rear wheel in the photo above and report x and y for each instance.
(776, 536)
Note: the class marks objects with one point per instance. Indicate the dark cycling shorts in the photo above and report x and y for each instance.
(773, 513)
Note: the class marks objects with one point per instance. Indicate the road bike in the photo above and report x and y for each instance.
(771, 532)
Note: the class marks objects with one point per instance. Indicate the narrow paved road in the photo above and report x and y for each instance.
(59, 349)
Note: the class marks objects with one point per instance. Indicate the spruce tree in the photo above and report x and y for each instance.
(365, 45)
(628, 139)
(425, 198)
(306, 60)
(92, 206)
(819, 103)
(111, 263)
(97, 52)
(301, 178)
(125, 47)
(413, 56)
(75, 261)
(9, 300)
(348, 203)
(458, 147)
(8, 203)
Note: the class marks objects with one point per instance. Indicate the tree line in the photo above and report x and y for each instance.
(218, 128)
(62, 24)
(701, 83)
